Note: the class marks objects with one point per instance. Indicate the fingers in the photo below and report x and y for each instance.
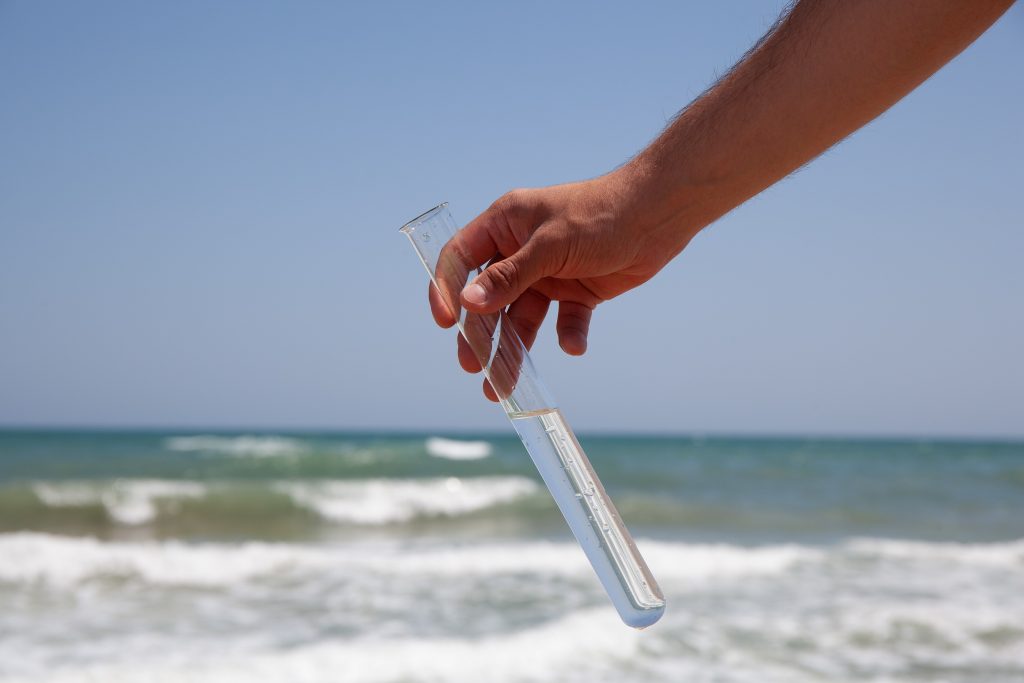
(489, 392)
(491, 233)
(480, 241)
(524, 318)
(504, 236)
(467, 357)
(527, 313)
(506, 280)
(573, 326)
(442, 314)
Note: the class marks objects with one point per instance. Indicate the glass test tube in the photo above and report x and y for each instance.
(557, 454)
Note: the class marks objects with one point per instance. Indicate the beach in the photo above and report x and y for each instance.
(216, 556)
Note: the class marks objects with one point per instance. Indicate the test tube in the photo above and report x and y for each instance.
(561, 462)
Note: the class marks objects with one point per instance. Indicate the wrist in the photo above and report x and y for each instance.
(662, 203)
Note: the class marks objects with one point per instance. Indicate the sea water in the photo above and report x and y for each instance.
(591, 516)
(388, 557)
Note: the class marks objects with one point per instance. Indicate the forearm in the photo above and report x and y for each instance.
(825, 70)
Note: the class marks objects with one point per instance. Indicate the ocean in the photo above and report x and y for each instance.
(166, 557)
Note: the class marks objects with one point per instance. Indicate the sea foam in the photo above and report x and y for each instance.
(531, 654)
(62, 561)
(395, 611)
(127, 501)
(341, 501)
(30, 557)
(59, 561)
(241, 446)
(384, 501)
(1007, 554)
(457, 450)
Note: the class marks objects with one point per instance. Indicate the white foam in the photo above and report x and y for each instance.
(384, 501)
(127, 501)
(457, 450)
(356, 501)
(680, 562)
(64, 561)
(867, 609)
(67, 494)
(580, 643)
(242, 446)
(696, 562)
(992, 554)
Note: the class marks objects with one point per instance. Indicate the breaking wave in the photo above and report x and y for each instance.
(241, 446)
(62, 561)
(394, 611)
(134, 502)
(457, 450)
(127, 501)
(383, 501)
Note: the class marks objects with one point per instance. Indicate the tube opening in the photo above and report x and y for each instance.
(411, 226)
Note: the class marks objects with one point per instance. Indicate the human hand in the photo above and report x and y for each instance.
(821, 72)
(577, 244)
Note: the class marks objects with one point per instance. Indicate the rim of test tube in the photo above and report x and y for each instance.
(423, 217)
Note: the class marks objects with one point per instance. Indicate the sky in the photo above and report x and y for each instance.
(200, 203)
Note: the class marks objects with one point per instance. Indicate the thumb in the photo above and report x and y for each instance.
(504, 281)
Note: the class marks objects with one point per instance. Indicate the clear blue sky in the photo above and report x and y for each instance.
(199, 205)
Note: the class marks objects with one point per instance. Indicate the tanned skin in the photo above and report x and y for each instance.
(825, 69)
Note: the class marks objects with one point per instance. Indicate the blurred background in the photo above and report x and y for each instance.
(233, 445)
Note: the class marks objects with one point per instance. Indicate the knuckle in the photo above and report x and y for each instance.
(514, 205)
(505, 275)
(512, 199)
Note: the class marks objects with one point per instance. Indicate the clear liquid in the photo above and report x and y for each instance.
(591, 516)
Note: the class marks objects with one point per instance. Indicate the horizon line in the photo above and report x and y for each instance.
(1008, 439)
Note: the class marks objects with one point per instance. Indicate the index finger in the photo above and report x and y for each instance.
(458, 262)
(493, 233)
(442, 314)
(476, 243)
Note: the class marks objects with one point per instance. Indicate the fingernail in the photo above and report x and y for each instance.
(475, 294)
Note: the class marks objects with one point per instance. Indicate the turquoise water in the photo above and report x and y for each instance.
(215, 556)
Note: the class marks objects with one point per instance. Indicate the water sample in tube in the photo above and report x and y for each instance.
(548, 438)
